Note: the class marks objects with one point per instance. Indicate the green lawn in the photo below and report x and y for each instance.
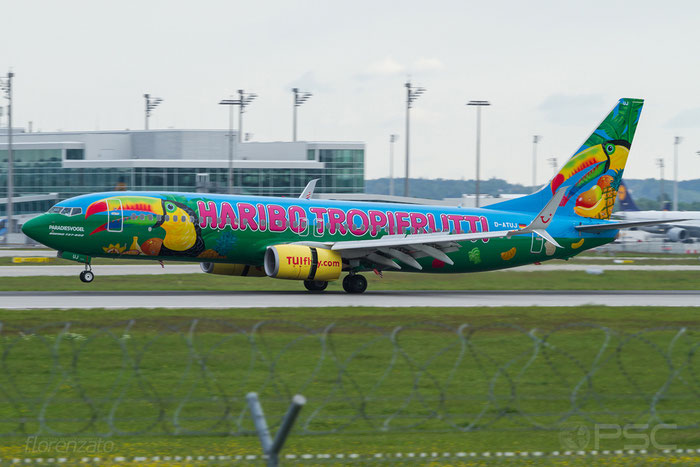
(496, 280)
(509, 384)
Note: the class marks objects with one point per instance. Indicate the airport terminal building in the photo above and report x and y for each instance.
(55, 166)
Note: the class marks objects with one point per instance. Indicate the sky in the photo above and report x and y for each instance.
(549, 68)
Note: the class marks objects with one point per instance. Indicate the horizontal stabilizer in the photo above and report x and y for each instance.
(623, 225)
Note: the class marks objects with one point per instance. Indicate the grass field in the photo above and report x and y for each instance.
(496, 280)
(524, 394)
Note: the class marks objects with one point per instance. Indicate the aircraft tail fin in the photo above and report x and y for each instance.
(594, 173)
(625, 198)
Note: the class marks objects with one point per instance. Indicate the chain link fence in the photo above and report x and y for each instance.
(144, 377)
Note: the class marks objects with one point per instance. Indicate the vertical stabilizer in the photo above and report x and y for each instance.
(594, 173)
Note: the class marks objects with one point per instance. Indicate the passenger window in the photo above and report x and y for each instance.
(184, 219)
(174, 218)
(167, 217)
(143, 217)
(150, 217)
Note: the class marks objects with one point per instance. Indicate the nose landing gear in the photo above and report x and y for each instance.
(354, 283)
(87, 275)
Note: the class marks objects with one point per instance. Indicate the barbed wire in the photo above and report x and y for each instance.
(190, 378)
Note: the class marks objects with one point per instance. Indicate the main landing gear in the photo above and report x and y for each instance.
(87, 275)
(315, 286)
(354, 283)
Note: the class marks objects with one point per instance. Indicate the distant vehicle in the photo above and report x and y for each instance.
(315, 241)
(673, 231)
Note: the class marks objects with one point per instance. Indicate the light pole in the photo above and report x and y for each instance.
(676, 141)
(243, 100)
(299, 98)
(535, 139)
(151, 104)
(553, 163)
(412, 93)
(479, 105)
(6, 86)
(392, 140)
(660, 165)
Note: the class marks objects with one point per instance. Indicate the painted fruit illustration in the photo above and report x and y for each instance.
(587, 199)
(151, 247)
(605, 181)
(590, 202)
(507, 255)
(578, 244)
(549, 249)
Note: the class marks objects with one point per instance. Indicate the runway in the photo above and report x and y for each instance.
(385, 299)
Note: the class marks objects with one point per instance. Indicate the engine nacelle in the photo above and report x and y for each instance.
(676, 234)
(228, 269)
(299, 262)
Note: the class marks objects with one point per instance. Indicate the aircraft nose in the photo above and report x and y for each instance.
(36, 228)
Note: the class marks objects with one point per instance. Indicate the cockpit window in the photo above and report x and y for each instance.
(65, 211)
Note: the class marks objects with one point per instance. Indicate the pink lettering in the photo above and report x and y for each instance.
(227, 216)
(297, 219)
(402, 222)
(207, 211)
(431, 223)
(277, 218)
(318, 212)
(390, 222)
(418, 222)
(336, 217)
(363, 226)
(262, 220)
(378, 220)
(246, 213)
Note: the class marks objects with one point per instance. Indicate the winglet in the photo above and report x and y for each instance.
(309, 190)
(542, 220)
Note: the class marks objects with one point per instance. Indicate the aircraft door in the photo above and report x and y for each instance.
(536, 244)
(115, 222)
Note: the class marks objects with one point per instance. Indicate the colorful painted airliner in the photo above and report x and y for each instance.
(315, 241)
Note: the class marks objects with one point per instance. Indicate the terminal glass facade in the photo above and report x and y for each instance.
(39, 171)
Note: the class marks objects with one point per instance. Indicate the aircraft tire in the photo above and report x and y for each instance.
(315, 286)
(87, 276)
(354, 283)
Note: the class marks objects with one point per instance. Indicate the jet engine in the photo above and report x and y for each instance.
(228, 269)
(676, 234)
(299, 262)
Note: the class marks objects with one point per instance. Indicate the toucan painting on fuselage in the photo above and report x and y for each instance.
(316, 240)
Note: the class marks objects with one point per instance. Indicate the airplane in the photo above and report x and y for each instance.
(316, 241)
(668, 225)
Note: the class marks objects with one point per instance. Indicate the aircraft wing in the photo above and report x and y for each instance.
(407, 248)
(623, 225)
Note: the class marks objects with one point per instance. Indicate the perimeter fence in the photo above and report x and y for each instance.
(147, 377)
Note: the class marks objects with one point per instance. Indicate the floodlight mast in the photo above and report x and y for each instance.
(676, 141)
(479, 105)
(151, 104)
(412, 93)
(6, 86)
(535, 139)
(299, 98)
(392, 140)
(660, 164)
(243, 100)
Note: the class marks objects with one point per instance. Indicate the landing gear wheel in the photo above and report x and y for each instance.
(87, 276)
(315, 286)
(354, 283)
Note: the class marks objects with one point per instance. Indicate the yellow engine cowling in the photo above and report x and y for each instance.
(299, 262)
(228, 269)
